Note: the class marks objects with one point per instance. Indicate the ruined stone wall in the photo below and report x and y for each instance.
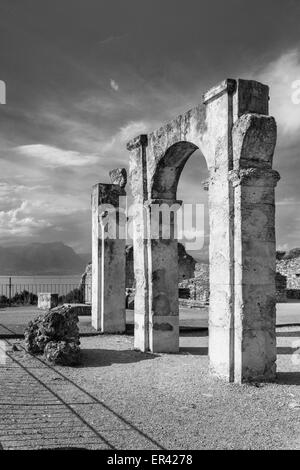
(280, 282)
(129, 267)
(198, 285)
(195, 277)
(290, 268)
(86, 284)
(186, 265)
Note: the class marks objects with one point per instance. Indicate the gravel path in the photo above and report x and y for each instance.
(124, 399)
(14, 320)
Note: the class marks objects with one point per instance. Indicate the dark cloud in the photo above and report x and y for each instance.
(85, 76)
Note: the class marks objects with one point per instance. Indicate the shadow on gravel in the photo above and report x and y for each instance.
(107, 357)
(288, 378)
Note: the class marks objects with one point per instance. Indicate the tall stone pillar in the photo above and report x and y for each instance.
(138, 214)
(156, 313)
(108, 259)
(219, 111)
(163, 277)
(253, 181)
(242, 342)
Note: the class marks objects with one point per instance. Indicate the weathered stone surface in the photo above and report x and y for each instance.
(108, 261)
(129, 267)
(186, 265)
(289, 267)
(62, 353)
(118, 176)
(130, 294)
(86, 284)
(55, 326)
(198, 285)
(281, 291)
(35, 339)
(186, 270)
(254, 139)
(237, 139)
(47, 300)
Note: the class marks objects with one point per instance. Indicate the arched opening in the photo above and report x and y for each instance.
(166, 177)
(193, 256)
(181, 179)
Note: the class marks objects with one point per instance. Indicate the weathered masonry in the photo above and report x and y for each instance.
(108, 255)
(237, 137)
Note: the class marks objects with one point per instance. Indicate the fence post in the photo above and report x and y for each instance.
(9, 291)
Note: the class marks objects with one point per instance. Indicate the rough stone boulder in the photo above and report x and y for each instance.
(56, 334)
(63, 353)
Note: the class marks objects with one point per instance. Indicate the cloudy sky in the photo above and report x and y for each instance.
(84, 76)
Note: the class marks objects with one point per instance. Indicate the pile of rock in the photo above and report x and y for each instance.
(198, 287)
(56, 335)
(288, 265)
(281, 291)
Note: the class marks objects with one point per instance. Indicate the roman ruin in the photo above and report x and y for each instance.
(233, 130)
(108, 259)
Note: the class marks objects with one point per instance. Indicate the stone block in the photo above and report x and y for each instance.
(164, 333)
(46, 300)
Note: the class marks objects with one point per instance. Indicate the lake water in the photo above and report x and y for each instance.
(55, 284)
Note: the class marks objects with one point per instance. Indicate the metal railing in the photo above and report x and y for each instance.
(15, 293)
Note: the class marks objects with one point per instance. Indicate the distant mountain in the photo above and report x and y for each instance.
(87, 257)
(40, 259)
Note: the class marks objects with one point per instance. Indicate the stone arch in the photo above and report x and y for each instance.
(169, 169)
(237, 138)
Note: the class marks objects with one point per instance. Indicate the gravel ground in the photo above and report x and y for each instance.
(124, 399)
(14, 320)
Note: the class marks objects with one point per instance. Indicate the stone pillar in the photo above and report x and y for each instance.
(163, 276)
(156, 313)
(253, 181)
(138, 216)
(219, 113)
(255, 267)
(108, 260)
(240, 327)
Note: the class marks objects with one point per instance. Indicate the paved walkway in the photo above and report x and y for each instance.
(124, 399)
(41, 408)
